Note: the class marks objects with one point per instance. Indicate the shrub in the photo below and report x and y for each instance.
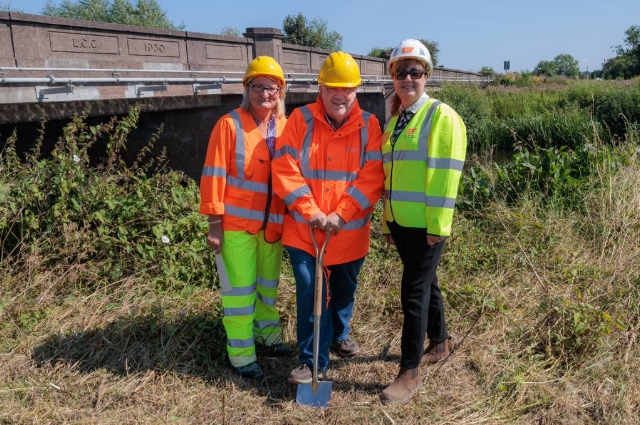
(107, 221)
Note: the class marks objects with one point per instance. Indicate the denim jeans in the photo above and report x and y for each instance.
(334, 326)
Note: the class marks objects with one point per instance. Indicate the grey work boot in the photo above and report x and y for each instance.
(250, 371)
(403, 387)
(435, 352)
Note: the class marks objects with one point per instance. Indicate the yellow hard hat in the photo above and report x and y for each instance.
(339, 69)
(263, 65)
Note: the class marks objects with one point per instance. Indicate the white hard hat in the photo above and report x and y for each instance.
(412, 49)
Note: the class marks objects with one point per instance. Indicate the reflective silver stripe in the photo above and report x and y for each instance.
(247, 185)
(373, 156)
(251, 214)
(445, 164)
(243, 212)
(239, 311)
(412, 155)
(421, 197)
(240, 291)
(268, 301)
(267, 283)
(439, 163)
(351, 225)
(297, 216)
(293, 196)
(213, 172)
(400, 155)
(357, 224)
(276, 218)
(286, 149)
(364, 136)
(237, 123)
(240, 343)
(359, 196)
(440, 202)
(306, 143)
(425, 131)
(263, 324)
(404, 196)
(330, 175)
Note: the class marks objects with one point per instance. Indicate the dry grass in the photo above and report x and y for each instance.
(128, 353)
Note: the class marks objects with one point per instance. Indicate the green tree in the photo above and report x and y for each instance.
(298, 30)
(376, 52)
(230, 32)
(621, 67)
(434, 49)
(627, 62)
(563, 64)
(487, 71)
(546, 68)
(146, 13)
(567, 65)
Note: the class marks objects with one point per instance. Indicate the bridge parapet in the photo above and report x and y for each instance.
(46, 60)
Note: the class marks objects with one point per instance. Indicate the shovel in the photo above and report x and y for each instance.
(317, 393)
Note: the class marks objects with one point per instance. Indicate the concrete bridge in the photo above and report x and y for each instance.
(186, 80)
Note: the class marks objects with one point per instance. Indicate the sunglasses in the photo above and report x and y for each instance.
(413, 72)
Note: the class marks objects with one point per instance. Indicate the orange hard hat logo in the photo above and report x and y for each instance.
(407, 49)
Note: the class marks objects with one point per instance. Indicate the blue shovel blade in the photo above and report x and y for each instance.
(306, 397)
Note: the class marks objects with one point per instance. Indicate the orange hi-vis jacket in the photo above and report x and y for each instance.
(317, 168)
(236, 179)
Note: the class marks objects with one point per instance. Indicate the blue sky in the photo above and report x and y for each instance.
(470, 33)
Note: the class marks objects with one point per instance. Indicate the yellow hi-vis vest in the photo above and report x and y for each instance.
(423, 168)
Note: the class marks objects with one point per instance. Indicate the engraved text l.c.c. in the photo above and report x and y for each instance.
(84, 43)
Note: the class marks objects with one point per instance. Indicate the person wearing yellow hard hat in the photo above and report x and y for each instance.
(328, 171)
(245, 216)
(424, 146)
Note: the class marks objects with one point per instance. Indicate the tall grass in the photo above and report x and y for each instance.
(544, 116)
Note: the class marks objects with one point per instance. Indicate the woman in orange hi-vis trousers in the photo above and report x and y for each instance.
(245, 216)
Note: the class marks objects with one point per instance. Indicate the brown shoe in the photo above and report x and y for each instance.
(345, 348)
(435, 352)
(302, 374)
(403, 387)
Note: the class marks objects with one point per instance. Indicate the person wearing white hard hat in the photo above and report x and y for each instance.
(423, 147)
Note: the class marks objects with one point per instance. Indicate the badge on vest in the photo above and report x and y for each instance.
(411, 131)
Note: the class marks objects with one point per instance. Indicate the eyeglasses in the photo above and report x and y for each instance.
(259, 89)
(415, 74)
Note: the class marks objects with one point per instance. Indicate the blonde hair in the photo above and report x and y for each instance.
(280, 105)
(400, 65)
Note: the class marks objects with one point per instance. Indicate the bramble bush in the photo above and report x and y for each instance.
(109, 221)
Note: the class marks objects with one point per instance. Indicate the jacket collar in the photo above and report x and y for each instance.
(417, 104)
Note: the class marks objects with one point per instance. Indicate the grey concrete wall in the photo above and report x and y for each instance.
(33, 41)
(187, 125)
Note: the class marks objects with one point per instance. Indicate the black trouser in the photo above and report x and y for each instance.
(420, 294)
